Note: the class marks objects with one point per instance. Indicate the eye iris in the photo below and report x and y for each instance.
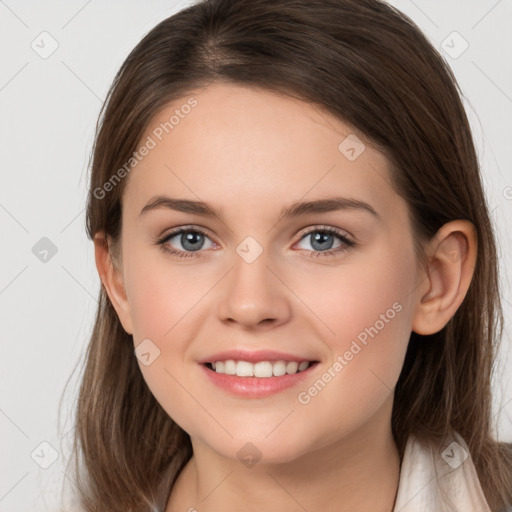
(320, 238)
(191, 237)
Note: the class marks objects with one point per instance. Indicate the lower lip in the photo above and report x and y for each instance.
(256, 387)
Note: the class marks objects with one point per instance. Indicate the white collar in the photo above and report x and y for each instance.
(439, 478)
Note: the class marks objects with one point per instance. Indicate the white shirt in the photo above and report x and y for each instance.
(439, 479)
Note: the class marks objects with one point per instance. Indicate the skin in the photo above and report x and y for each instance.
(250, 153)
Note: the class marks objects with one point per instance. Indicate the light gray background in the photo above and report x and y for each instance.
(48, 111)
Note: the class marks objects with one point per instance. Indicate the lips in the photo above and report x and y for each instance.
(256, 374)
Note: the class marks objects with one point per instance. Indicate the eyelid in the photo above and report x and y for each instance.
(305, 231)
(323, 227)
(343, 235)
(186, 227)
(180, 229)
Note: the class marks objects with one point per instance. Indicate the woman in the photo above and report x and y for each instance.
(234, 362)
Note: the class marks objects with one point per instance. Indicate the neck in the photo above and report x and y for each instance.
(360, 472)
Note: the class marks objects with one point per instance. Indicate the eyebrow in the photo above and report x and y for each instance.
(294, 210)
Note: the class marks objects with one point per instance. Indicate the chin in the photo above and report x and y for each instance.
(252, 451)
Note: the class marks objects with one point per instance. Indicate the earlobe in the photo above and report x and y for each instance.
(452, 257)
(112, 279)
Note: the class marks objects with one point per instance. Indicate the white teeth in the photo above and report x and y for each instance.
(244, 369)
(261, 369)
(229, 367)
(279, 368)
(303, 365)
(292, 367)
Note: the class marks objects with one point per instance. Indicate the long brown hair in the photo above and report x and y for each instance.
(368, 64)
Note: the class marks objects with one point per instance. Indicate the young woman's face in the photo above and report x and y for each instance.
(335, 285)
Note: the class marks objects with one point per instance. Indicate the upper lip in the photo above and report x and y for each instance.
(253, 356)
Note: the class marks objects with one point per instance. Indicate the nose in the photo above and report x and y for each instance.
(254, 295)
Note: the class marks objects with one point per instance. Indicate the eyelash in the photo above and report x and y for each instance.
(312, 254)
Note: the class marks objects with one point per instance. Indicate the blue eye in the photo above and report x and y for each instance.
(192, 240)
(321, 239)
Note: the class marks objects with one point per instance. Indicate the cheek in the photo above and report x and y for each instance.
(163, 304)
(370, 300)
(369, 309)
(166, 301)
(162, 295)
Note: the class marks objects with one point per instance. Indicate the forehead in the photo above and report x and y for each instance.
(253, 148)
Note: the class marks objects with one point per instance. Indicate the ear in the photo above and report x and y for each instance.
(111, 276)
(452, 257)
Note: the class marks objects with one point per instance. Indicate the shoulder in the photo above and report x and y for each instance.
(438, 474)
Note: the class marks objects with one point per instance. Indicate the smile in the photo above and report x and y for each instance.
(257, 380)
(261, 369)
